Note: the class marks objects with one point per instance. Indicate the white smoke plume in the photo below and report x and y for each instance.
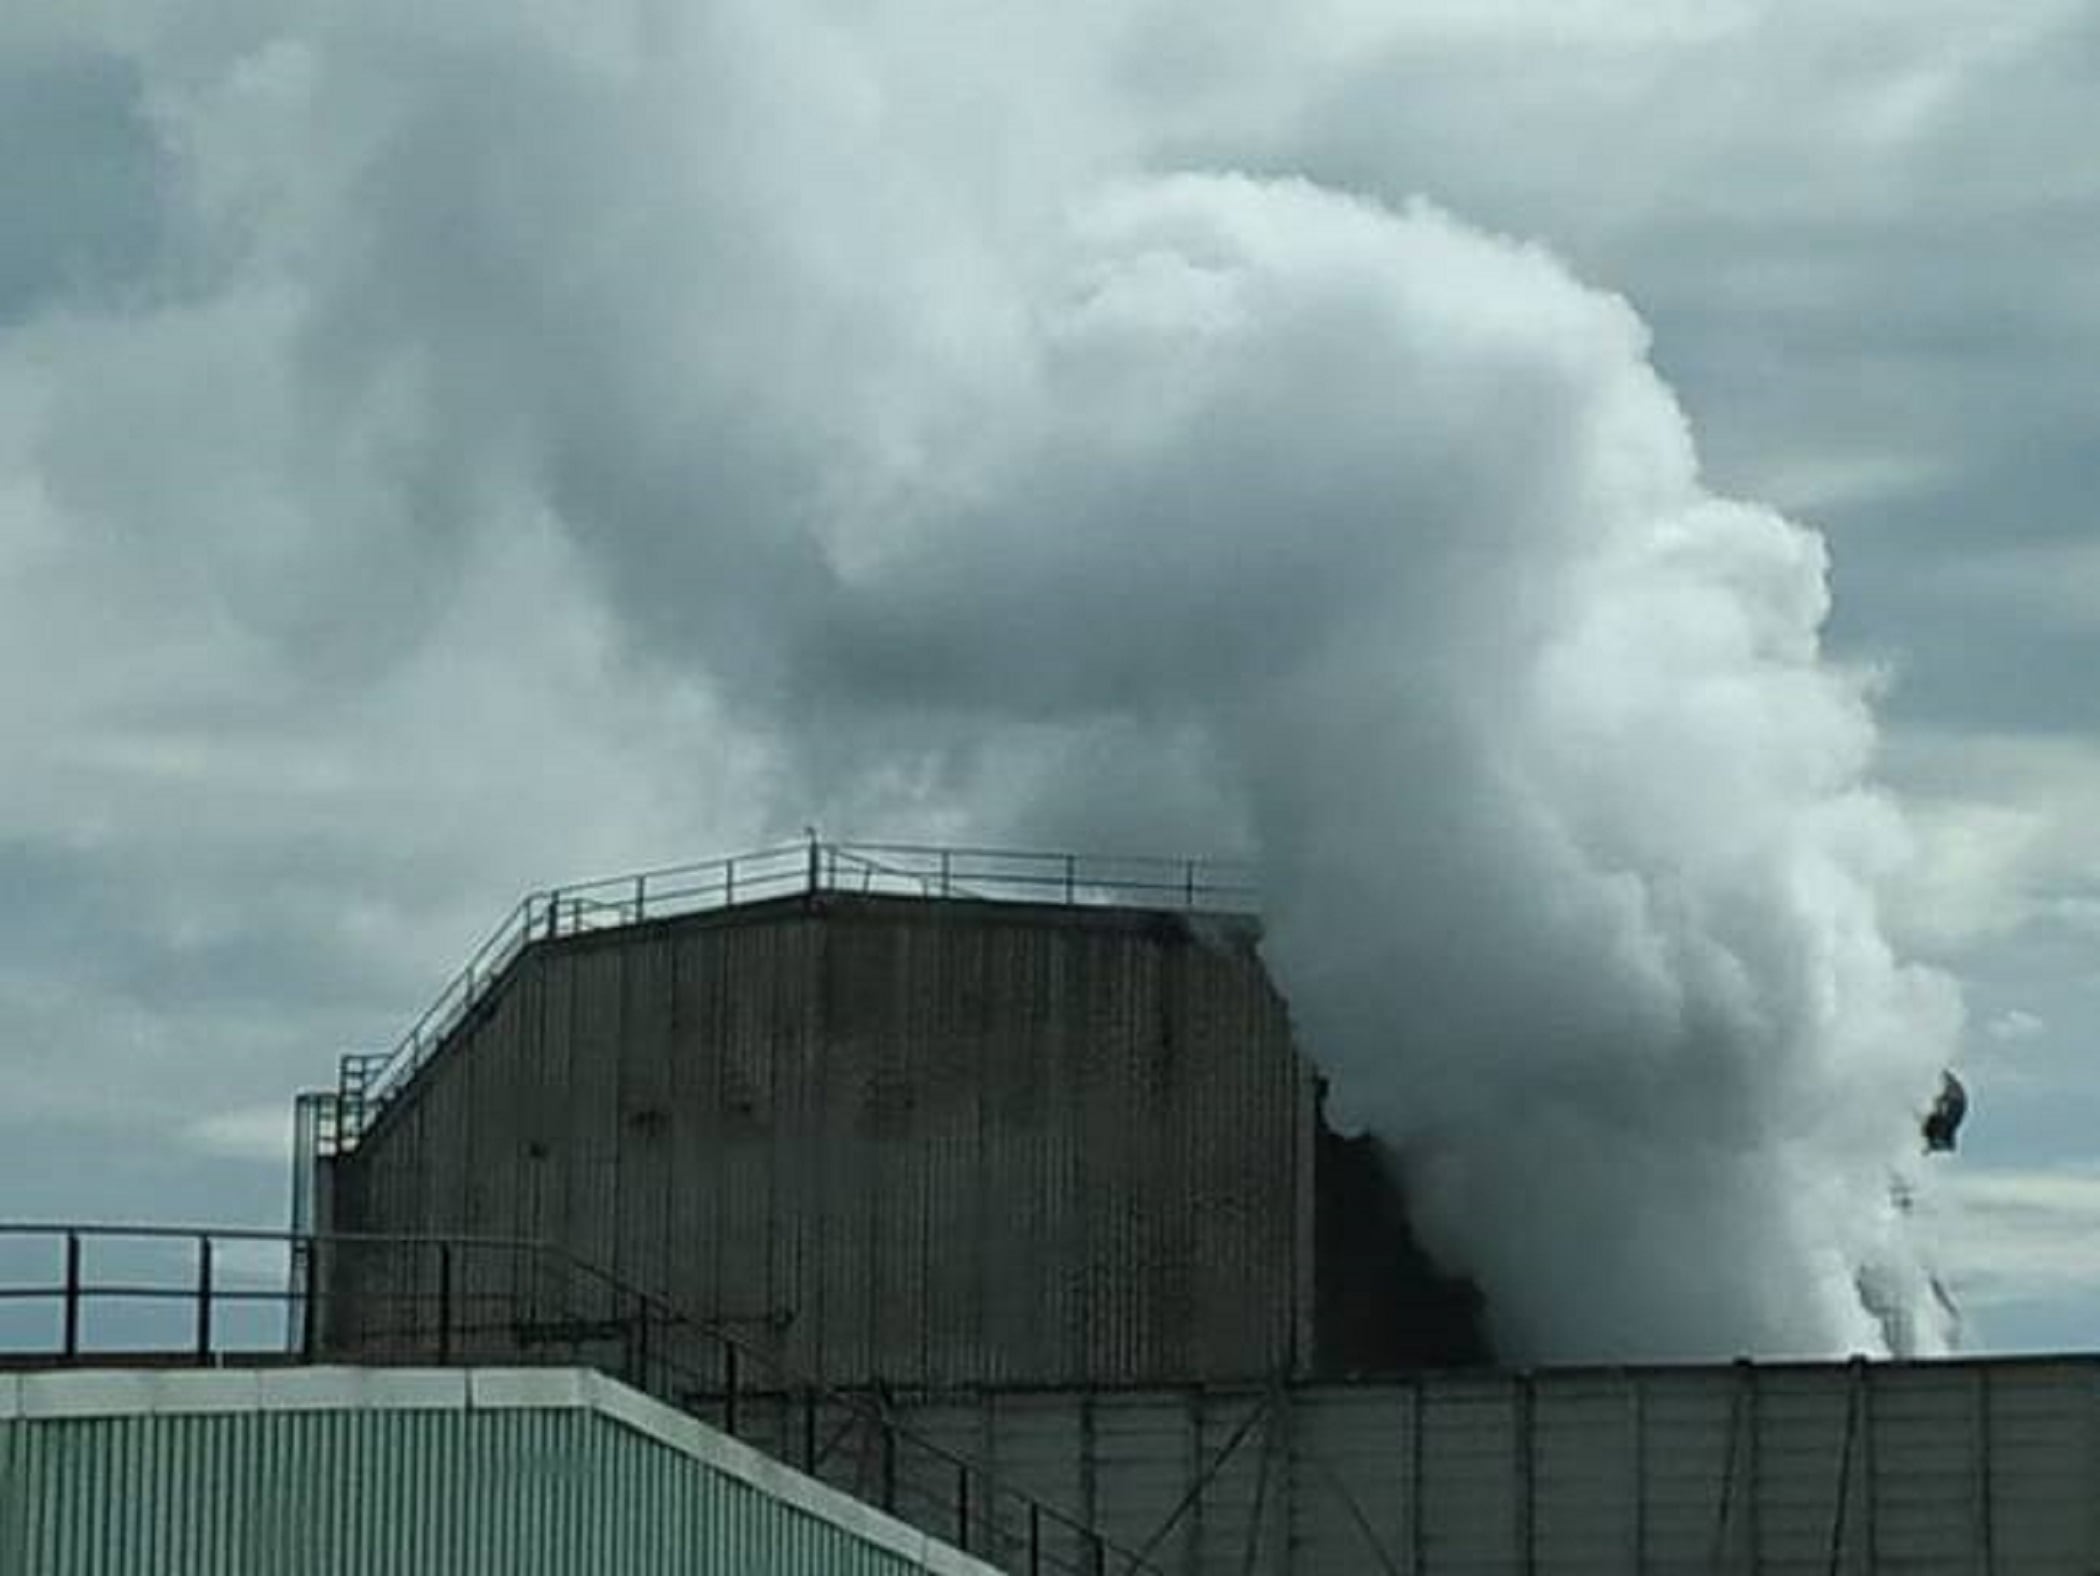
(996, 477)
(1566, 827)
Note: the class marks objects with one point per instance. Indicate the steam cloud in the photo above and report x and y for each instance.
(997, 481)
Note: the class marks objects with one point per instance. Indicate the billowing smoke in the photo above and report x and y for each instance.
(994, 478)
(1564, 822)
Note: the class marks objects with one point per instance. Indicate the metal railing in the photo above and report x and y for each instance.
(367, 1080)
(369, 1298)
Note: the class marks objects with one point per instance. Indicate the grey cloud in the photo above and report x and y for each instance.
(81, 183)
(569, 437)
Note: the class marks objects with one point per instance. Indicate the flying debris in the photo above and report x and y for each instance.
(1943, 1121)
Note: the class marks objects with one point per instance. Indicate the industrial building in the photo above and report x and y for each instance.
(1024, 1147)
(243, 1472)
(988, 1195)
(922, 1119)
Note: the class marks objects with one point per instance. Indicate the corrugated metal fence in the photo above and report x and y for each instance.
(1982, 1468)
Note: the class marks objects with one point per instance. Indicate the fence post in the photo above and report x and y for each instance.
(203, 1300)
(69, 1320)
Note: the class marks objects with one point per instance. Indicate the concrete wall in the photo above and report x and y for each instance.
(928, 1142)
(1983, 1468)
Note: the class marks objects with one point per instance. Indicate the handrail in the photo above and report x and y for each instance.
(452, 1323)
(367, 1081)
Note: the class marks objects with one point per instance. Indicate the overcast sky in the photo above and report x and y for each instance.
(400, 406)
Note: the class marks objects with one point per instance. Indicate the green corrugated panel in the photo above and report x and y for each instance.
(390, 1493)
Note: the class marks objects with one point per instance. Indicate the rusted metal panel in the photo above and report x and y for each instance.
(645, 1051)
(946, 1142)
(549, 1136)
(591, 1116)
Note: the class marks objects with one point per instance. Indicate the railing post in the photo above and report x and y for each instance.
(641, 1344)
(962, 1506)
(553, 913)
(1188, 884)
(729, 1388)
(641, 897)
(69, 1318)
(889, 1461)
(815, 878)
(309, 1315)
(947, 859)
(729, 883)
(444, 1302)
(203, 1301)
(1071, 879)
(1035, 1539)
